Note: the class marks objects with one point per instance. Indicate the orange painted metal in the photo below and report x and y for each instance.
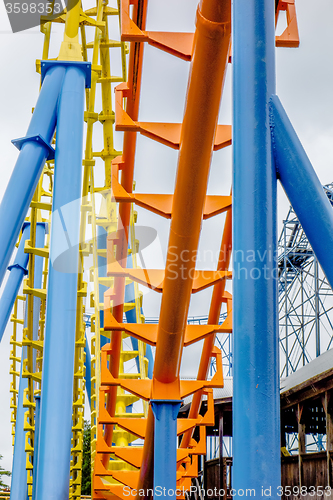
(211, 48)
(132, 109)
(214, 314)
(209, 61)
(148, 332)
(290, 36)
(157, 279)
(177, 44)
(168, 134)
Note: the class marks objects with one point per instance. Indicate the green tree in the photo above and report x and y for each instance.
(3, 472)
(86, 460)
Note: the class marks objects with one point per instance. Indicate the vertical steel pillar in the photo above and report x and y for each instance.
(34, 150)
(17, 270)
(88, 370)
(131, 317)
(101, 261)
(19, 477)
(19, 489)
(38, 277)
(53, 466)
(317, 306)
(256, 416)
(165, 447)
(37, 422)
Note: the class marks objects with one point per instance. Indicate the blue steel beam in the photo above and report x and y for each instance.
(102, 273)
(19, 490)
(165, 447)
(131, 317)
(256, 418)
(17, 270)
(302, 186)
(34, 151)
(19, 476)
(53, 466)
(87, 364)
(38, 276)
(37, 422)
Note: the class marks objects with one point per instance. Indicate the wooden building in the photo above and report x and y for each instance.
(306, 418)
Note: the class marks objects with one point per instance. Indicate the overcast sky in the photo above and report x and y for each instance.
(304, 84)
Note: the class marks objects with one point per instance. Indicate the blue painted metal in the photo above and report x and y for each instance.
(17, 271)
(37, 423)
(19, 476)
(131, 317)
(38, 139)
(29, 165)
(88, 371)
(256, 418)
(102, 273)
(84, 66)
(19, 489)
(38, 275)
(53, 464)
(302, 187)
(165, 447)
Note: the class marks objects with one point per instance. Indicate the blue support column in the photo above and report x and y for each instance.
(87, 365)
(38, 277)
(131, 318)
(256, 415)
(37, 422)
(17, 271)
(53, 466)
(19, 476)
(165, 447)
(19, 490)
(102, 273)
(34, 150)
(302, 187)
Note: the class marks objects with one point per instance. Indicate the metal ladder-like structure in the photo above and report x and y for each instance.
(166, 389)
(35, 298)
(305, 297)
(119, 419)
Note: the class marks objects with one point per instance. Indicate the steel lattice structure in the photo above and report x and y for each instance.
(305, 297)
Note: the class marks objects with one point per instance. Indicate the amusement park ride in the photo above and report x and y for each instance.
(138, 443)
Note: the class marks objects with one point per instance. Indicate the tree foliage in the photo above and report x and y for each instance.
(86, 460)
(3, 472)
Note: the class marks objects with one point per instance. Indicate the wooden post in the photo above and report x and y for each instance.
(327, 405)
(223, 471)
(301, 441)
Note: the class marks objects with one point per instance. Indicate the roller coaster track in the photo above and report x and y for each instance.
(119, 459)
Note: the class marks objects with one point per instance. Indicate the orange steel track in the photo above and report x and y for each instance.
(196, 138)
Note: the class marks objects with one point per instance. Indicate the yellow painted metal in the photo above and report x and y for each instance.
(70, 49)
(107, 218)
(75, 22)
(15, 360)
(29, 368)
